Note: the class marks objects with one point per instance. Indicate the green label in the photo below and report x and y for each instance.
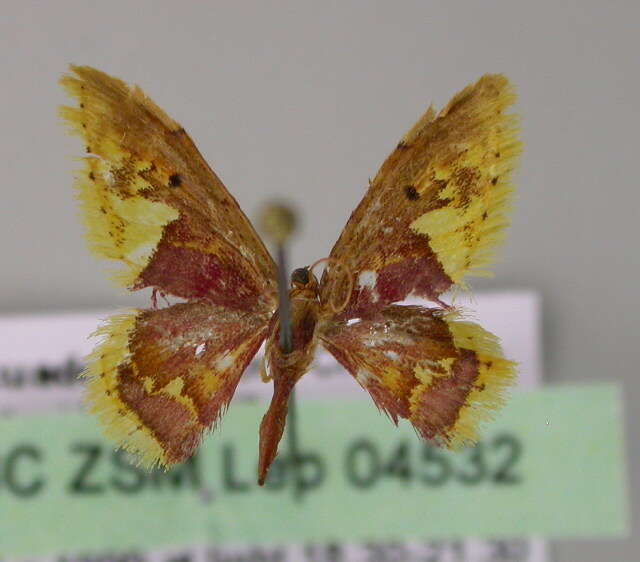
(550, 465)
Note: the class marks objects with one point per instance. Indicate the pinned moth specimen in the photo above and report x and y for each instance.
(160, 378)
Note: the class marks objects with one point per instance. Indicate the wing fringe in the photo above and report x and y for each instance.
(119, 422)
(496, 375)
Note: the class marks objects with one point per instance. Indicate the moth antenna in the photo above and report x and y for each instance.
(350, 282)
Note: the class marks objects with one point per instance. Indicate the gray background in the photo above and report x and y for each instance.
(305, 99)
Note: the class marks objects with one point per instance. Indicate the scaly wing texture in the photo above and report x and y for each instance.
(151, 202)
(436, 209)
(160, 378)
(442, 374)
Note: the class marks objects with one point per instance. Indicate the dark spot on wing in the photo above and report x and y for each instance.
(411, 193)
(175, 180)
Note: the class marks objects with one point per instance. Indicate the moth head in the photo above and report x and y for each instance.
(302, 278)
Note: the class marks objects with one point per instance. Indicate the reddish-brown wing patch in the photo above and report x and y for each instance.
(441, 374)
(151, 202)
(162, 377)
(437, 207)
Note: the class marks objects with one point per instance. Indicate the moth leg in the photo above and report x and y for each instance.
(443, 304)
(265, 375)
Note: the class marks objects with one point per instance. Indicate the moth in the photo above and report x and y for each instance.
(161, 377)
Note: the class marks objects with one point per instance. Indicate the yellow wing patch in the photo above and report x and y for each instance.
(122, 224)
(473, 180)
(121, 424)
(119, 225)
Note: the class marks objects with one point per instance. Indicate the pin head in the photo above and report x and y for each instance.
(278, 222)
